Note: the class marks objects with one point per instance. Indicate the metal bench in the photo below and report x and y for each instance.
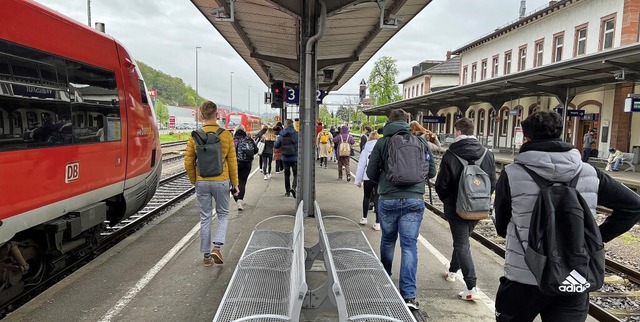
(268, 283)
(357, 283)
(627, 160)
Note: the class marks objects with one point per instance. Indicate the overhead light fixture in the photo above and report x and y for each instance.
(221, 14)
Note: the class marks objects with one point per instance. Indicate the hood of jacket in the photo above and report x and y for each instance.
(468, 148)
(395, 127)
(551, 159)
(240, 134)
(344, 129)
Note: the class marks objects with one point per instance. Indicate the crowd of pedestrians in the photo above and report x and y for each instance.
(395, 164)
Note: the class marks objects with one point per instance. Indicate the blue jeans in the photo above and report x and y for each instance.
(401, 217)
(585, 154)
(616, 164)
(219, 191)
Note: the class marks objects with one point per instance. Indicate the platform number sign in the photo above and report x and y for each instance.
(72, 172)
(293, 95)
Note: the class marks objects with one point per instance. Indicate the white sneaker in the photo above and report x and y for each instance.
(363, 221)
(376, 226)
(265, 177)
(468, 295)
(449, 276)
(239, 202)
(269, 176)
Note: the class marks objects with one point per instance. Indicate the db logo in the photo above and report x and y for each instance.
(72, 172)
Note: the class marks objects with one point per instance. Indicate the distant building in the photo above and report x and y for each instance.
(430, 76)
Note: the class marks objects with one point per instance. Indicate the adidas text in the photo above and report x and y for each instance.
(574, 283)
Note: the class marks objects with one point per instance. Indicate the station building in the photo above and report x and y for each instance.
(580, 53)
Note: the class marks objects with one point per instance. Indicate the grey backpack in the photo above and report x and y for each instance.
(474, 190)
(407, 159)
(208, 152)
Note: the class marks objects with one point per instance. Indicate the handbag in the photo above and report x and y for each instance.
(260, 147)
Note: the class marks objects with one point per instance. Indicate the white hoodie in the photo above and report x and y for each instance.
(361, 174)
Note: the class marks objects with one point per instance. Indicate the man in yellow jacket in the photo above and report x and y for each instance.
(217, 187)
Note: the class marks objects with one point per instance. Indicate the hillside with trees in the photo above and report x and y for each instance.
(171, 90)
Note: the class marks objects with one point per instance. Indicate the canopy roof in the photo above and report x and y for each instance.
(571, 76)
(265, 33)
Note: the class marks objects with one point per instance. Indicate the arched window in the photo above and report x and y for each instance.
(472, 114)
(504, 121)
(517, 119)
(480, 124)
(422, 89)
(447, 130)
(441, 125)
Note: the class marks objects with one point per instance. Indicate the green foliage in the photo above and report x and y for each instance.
(383, 88)
(162, 112)
(171, 90)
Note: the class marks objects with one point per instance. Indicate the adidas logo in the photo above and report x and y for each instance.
(574, 283)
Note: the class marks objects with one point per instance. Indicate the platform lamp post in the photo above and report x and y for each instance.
(196, 112)
(231, 107)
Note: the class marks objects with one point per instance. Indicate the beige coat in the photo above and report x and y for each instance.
(323, 148)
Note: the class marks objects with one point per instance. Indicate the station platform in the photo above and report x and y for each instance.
(157, 273)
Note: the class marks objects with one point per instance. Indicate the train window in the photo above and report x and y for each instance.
(234, 120)
(4, 66)
(25, 70)
(143, 92)
(94, 92)
(32, 120)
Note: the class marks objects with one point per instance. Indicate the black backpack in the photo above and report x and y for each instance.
(407, 159)
(565, 251)
(208, 152)
(245, 149)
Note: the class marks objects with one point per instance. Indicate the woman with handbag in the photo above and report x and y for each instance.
(268, 139)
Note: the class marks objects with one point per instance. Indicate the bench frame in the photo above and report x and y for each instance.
(294, 252)
(334, 288)
(627, 159)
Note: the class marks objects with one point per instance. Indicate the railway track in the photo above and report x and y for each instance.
(597, 311)
(171, 190)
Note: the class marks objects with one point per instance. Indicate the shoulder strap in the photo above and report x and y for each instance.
(197, 136)
(463, 161)
(219, 131)
(542, 182)
(476, 162)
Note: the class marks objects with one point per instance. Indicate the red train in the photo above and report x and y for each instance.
(222, 116)
(251, 123)
(78, 140)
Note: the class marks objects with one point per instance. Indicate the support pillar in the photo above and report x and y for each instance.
(621, 120)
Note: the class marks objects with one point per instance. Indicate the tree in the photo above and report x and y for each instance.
(383, 88)
(343, 113)
(162, 113)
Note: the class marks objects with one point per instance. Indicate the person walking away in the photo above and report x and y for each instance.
(466, 147)
(401, 189)
(334, 132)
(267, 153)
(213, 187)
(344, 140)
(277, 152)
(324, 143)
(246, 149)
(364, 137)
(288, 143)
(544, 154)
(614, 159)
(588, 142)
(318, 130)
(258, 137)
(370, 187)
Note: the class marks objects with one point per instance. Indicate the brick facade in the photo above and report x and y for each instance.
(631, 15)
(621, 121)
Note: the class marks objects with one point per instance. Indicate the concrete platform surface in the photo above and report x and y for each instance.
(157, 274)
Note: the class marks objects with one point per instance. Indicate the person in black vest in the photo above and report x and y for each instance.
(467, 147)
(364, 137)
(519, 297)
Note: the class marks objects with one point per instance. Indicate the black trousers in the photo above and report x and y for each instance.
(290, 166)
(244, 168)
(266, 163)
(279, 166)
(370, 195)
(522, 303)
(461, 258)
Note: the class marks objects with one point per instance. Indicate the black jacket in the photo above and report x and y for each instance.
(451, 169)
(268, 147)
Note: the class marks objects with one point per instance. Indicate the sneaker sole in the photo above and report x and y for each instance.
(468, 298)
(217, 259)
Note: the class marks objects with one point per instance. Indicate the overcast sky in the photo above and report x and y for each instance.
(164, 34)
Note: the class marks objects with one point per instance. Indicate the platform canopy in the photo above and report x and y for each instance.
(565, 78)
(266, 34)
